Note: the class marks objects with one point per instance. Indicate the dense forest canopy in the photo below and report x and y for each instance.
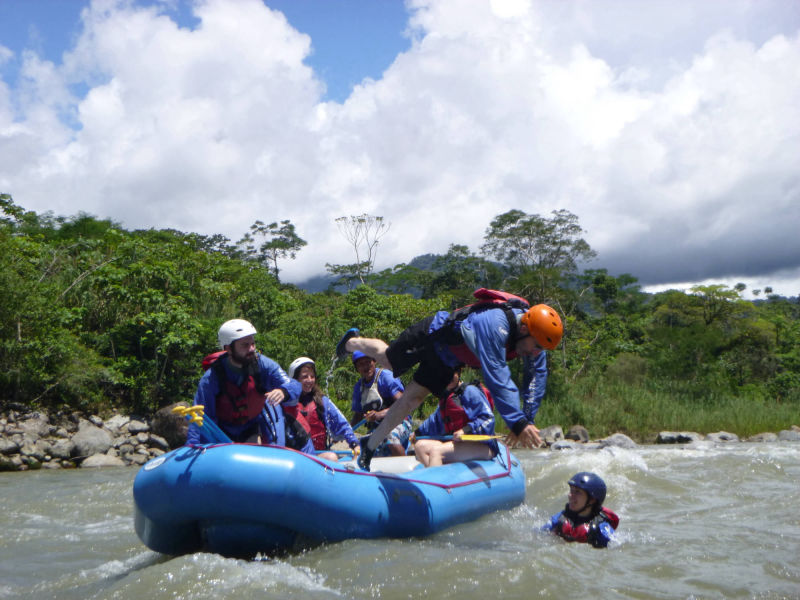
(95, 317)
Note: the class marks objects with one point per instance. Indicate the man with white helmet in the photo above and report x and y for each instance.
(240, 391)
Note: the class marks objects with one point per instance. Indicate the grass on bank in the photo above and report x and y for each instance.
(641, 412)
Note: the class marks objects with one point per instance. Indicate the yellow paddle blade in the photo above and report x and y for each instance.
(472, 437)
(185, 411)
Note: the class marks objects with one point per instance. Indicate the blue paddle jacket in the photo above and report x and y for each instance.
(486, 334)
(475, 405)
(388, 386)
(270, 422)
(534, 384)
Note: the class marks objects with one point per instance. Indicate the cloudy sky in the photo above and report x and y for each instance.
(670, 128)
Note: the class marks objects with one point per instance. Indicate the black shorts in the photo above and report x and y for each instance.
(415, 347)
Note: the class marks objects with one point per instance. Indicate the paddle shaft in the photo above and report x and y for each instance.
(467, 437)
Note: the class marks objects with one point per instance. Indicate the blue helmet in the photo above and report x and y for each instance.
(591, 484)
(357, 355)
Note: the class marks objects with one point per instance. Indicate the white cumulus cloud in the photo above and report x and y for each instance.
(670, 129)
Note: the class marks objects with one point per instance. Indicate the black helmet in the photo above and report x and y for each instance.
(591, 484)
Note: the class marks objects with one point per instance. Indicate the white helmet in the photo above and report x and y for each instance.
(233, 330)
(297, 363)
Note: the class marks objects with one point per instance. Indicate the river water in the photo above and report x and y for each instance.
(701, 522)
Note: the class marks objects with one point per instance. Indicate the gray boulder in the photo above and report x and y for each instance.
(135, 427)
(789, 435)
(116, 423)
(8, 446)
(102, 460)
(38, 449)
(579, 433)
(618, 440)
(552, 434)
(61, 432)
(91, 439)
(62, 449)
(138, 459)
(678, 437)
(170, 426)
(8, 463)
(722, 436)
(156, 441)
(125, 449)
(766, 436)
(35, 426)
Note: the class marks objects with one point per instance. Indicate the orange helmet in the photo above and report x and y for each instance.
(544, 325)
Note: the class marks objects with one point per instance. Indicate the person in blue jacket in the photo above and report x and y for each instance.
(240, 392)
(464, 410)
(322, 419)
(584, 518)
(485, 338)
(373, 395)
(534, 384)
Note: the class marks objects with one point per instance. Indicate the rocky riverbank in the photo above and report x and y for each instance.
(38, 440)
(578, 437)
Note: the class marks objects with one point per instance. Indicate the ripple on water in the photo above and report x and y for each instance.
(697, 523)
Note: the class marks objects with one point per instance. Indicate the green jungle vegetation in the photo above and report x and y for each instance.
(97, 318)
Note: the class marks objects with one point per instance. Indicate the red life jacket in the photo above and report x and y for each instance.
(487, 299)
(580, 533)
(314, 418)
(451, 410)
(236, 403)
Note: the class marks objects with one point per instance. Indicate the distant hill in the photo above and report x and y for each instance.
(320, 283)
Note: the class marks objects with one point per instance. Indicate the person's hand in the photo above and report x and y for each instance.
(275, 397)
(412, 438)
(528, 438)
(371, 416)
(356, 451)
(457, 435)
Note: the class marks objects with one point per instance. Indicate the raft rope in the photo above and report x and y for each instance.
(505, 461)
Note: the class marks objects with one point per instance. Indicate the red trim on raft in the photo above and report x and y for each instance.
(444, 486)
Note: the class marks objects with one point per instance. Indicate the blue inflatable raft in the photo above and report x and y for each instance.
(242, 499)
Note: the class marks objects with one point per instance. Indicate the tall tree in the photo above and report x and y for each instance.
(717, 301)
(363, 232)
(281, 242)
(542, 249)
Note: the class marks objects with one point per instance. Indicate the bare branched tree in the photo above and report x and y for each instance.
(363, 232)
